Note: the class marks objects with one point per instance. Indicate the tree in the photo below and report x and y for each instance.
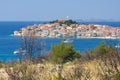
(100, 51)
(31, 44)
(62, 53)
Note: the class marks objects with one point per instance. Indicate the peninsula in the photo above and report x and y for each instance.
(69, 28)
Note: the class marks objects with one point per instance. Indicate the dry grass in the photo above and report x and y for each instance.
(93, 70)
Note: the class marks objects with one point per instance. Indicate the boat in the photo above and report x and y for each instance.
(68, 41)
(117, 46)
(19, 51)
(16, 52)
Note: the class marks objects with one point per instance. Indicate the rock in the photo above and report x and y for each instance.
(59, 67)
(3, 74)
(40, 66)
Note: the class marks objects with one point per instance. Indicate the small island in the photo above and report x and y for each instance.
(66, 28)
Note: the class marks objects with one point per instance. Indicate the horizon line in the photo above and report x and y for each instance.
(77, 20)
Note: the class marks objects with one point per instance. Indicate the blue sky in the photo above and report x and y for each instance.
(46, 10)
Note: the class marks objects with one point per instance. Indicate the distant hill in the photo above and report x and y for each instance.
(95, 20)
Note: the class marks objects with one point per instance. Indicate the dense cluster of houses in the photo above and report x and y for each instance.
(56, 29)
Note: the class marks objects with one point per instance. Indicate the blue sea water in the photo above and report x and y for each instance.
(9, 43)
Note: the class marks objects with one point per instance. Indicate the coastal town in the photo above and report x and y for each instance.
(66, 28)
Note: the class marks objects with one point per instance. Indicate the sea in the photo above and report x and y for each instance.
(9, 43)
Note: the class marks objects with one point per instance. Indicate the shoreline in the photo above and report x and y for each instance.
(73, 37)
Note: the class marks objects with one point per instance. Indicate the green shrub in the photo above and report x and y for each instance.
(62, 53)
(99, 51)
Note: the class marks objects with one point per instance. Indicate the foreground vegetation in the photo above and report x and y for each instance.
(64, 63)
